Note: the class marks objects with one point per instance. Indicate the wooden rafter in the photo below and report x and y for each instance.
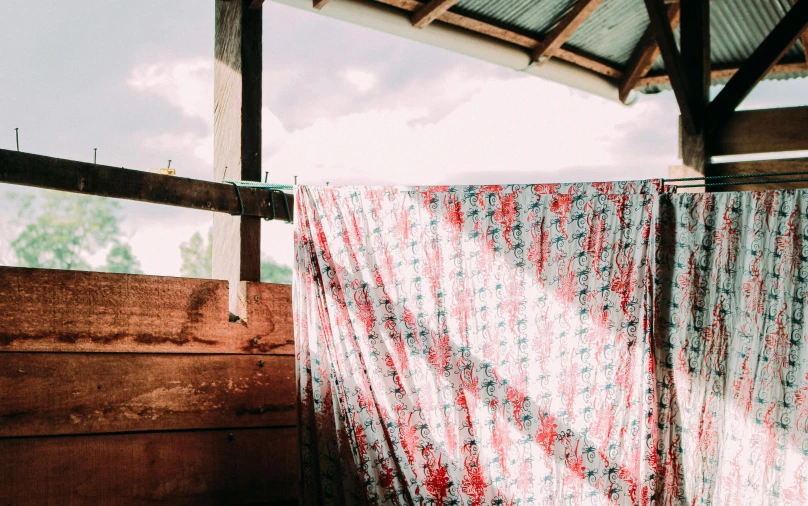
(762, 60)
(660, 24)
(319, 4)
(430, 12)
(804, 39)
(644, 55)
(570, 55)
(564, 29)
(723, 73)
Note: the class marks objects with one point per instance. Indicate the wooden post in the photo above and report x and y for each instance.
(237, 139)
(695, 58)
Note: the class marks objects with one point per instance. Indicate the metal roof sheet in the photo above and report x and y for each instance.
(613, 30)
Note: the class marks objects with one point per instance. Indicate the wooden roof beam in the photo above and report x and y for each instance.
(644, 55)
(564, 29)
(661, 27)
(723, 73)
(762, 60)
(430, 12)
(497, 32)
(804, 38)
(319, 4)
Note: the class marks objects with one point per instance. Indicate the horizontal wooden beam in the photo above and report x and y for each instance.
(644, 55)
(755, 68)
(115, 182)
(762, 131)
(771, 169)
(722, 73)
(570, 55)
(319, 4)
(249, 466)
(46, 394)
(430, 12)
(564, 29)
(46, 310)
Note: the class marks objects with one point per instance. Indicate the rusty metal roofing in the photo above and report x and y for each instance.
(613, 30)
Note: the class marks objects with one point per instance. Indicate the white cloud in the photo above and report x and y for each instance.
(456, 127)
(362, 80)
(185, 84)
(506, 127)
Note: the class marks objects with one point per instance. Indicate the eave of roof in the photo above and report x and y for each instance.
(608, 36)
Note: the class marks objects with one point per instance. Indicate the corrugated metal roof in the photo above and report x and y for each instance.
(613, 30)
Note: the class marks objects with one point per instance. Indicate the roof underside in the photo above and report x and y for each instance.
(611, 33)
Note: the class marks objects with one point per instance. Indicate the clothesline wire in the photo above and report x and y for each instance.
(740, 176)
(737, 183)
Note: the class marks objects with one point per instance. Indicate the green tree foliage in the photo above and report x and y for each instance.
(121, 259)
(62, 230)
(272, 272)
(196, 256)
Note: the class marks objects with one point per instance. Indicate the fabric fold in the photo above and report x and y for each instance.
(476, 344)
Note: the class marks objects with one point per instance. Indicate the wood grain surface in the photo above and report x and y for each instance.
(81, 393)
(53, 310)
(253, 466)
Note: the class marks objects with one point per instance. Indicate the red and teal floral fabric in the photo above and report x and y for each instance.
(599, 343)
(476, 344)
(732, 363)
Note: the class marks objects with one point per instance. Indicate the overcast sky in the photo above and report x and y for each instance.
(343, 104)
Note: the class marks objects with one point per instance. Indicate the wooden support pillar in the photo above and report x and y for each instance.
(695, 57)
(237, 138)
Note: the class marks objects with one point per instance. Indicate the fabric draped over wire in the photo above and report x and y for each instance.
(597, 343)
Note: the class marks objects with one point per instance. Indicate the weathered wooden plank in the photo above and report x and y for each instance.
(81, 393)
(53, 310)
(166, 468)
(723, 73)
(116, 182)
(644, 55)
(762, 131)
(430, 12)
(237, 137)
(771, 169)
(564, 29)
(767, 54)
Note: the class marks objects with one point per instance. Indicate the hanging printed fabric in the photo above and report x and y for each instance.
(732, 366)
(476, 344)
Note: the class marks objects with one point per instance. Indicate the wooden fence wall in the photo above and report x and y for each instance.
(127, 390)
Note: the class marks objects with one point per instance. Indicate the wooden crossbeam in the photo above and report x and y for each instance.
(644, 55)
(564, 29)
(723, 73)
(319, 4)
(660, 24)
(115, 182)
(762, 60)
(762, 131)
(430, 12)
